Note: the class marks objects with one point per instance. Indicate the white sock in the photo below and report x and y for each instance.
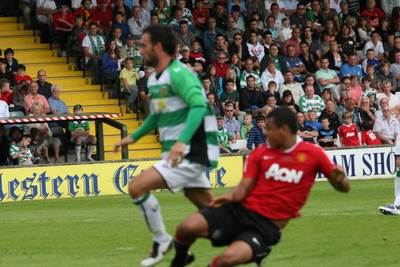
(397, 191)
(151, 212)
(78, 151)
(90, 150)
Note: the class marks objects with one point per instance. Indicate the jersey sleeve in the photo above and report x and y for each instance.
(71, 126)
(87, 126)
(251, 166)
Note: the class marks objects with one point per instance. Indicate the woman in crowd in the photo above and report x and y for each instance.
(309, 79)
(20, 90)
(287, 99)
(345, 42)
(236, 64)
(231, 74)
(364, 30)
(216, 82)
(351, 21)
(110, 63)
(384, 28)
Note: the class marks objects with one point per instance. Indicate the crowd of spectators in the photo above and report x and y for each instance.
(336, 64)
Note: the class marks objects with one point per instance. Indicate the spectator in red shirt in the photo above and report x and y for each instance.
(21, 74)
(200, 15)
(105, 16)
(220, 66)
(5, 93)
(368, 137)
(348, 134)
(373, 13)
(63, 22)
(87, 13)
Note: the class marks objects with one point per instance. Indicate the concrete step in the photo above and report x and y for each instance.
(135, 146)
(32, 69)
(136, 154)
(73, 96)
(45, 60)
(92, 102)
(12, 27)
(10, 19)
(21, 55)
(60, 74)
(78, 88)
(108, 108)
(150, 138)
(12, 33)
(71, 81)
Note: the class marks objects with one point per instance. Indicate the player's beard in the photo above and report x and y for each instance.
(152, 59)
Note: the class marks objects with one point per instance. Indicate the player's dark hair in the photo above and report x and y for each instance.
(284, 116)
(162, 33)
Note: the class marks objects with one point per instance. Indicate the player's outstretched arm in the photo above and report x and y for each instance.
(237, 194)
(125, 141)
(339, 180)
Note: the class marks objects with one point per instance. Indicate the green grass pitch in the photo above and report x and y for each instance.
(336, 229)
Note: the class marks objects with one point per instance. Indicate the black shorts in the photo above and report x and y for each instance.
(233, 222)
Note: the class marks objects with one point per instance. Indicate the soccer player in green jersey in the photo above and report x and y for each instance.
(188, 134)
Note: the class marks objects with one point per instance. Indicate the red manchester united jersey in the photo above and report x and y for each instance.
(284, 178)
(349, 135)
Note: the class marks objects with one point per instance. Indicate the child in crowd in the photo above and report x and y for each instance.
(366, 82)
(371, 60)
(21, 151)
(21, 74)
(195, 53)
(256, 135)
(187, 14)
(272, 90)
(386, 75)
(5, 93)
(178, 55)
(316, 125)
(271, 102)
(37, 145)
(389, 44)
(348, 134)
(368, 137)
(14, 136)
(245, 129)
(254, 114)
(372, 101)
(117, 33)
(200, 15)
(326, 136)
(256, 64)
(129, 77)
(374, 79)
(162, 10)
(78, 32)
(119, 22)
(224, 137)
(12, 62)
(229, 95)
(355, 89)
(80, 135)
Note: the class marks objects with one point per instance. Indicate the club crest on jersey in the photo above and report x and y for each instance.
(301, 157)
(164, 92)
(283, 174)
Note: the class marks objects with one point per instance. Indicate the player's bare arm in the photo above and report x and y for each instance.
(125, 141)
(237, 194)
(339, 180)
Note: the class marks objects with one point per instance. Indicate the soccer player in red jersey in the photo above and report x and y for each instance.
(276, 182)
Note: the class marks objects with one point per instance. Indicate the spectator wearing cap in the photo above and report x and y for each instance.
(220, 66)
(87, 12)
(230, 123)
(249, 96)
(130, 49)
(190, 61)
(219, 46)
(105, 17)
(178, 18)
(254, 111)
(137, 24)
(287, 101)
(183, 35)
(293, 87)
(63, 22)
(230, 96)
(344, 12)
(211, 32)
(239, 22)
